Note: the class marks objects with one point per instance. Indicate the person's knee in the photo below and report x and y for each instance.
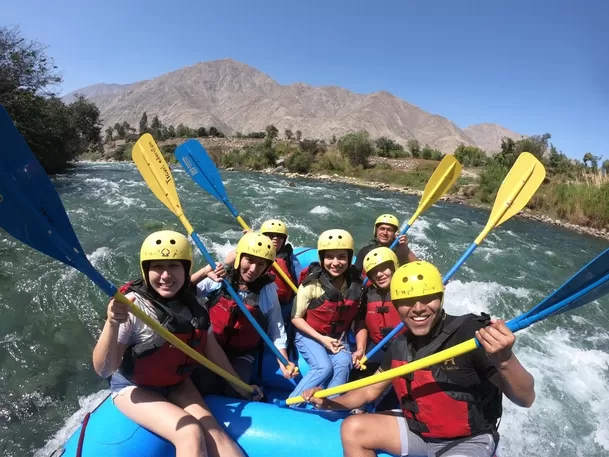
(189, 435)
(351, 429)
(322, 371)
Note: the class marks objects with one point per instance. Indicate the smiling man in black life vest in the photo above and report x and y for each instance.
(451, 409)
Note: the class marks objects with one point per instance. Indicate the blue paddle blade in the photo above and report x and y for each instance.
(194, 159)
(594, 294)
(591, 292)
(30, 208)
(590, 273)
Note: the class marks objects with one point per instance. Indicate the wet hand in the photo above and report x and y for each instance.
(332, 344)
(356, 357)
(218, 274)
(402, 240)
(256, 395)
(497, 340)
(118, 313)
(290, 371)
(309, 398)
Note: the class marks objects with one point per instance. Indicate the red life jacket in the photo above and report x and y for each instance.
(232, 329)
(436, 408)
(155, 362)
(332, 314)
(284, 261)
(381, 315)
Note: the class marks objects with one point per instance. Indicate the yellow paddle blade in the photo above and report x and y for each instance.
(171, 338)
(517, 189)
(442, 179)
(155, 171)
(425, 362)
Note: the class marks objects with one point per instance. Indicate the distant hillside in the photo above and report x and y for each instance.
(233, 96)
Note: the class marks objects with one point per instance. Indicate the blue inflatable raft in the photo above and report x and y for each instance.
(261, 429)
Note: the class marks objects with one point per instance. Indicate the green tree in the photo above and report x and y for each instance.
(414, 148)
(508, 154)
(606, 167)
(298, 135)
(171, 132)
(288, 134)
(333, 140)
(109, 137)
(156, 128)
(587, 158)
(182, 131)
(201, 132)
(271, 131)
(313, 146)
(144, 123)
(386, 146)
(24, 67)
(470, 156)
(299, 162)
(120, 131)
(558, 162)
(536, 145)
(213, 132)
(356, 147)
(86, 124)
(127, 128)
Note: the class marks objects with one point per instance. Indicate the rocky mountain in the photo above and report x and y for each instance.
(233, 96)
(488, 136)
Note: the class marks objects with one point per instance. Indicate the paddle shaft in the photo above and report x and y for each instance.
(489, 226)
(514, 325)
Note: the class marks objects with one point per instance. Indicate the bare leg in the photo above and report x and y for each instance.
(152, 411)
(218, 442)
(362, 434)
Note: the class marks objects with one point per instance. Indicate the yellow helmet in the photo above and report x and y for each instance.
(274, 226)
(378, 256)
(416, 279)
(335, 239)
(165, 245)
(257, 245)
(388, 219)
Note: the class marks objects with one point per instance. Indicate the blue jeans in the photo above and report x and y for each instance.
(324, 366)
(118, 382)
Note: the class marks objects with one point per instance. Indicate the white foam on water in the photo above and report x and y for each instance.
(221, 250)
(443, 226)
(101, 254)
(418, 229)
(87, 404)
(476, 296)
(360, 205)
(456, 220)
(458, 247)
(569, 416)
(124, 201)
(320, 210)
(550, 253)
(490, 252)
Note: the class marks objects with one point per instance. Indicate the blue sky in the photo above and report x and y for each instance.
(532, 66)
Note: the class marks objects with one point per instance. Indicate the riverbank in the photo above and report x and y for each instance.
(452, 198)
(460, 198)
